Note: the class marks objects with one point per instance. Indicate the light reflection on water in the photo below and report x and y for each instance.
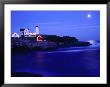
(39, 58)
(62, 62)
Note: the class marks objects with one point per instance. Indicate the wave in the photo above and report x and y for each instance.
(76, 49)
(68, 51)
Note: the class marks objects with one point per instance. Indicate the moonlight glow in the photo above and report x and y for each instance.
(89, 16)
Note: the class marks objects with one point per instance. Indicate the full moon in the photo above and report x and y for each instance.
(88, 15)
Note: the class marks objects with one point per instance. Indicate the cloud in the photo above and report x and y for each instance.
(69, 25)
(50, 23)
(85, 27)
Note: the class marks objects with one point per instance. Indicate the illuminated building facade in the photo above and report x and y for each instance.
(15, 35)
(24, 32)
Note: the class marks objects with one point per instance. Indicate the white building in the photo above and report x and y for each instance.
(15, 35)
(91, 41)
(32, 35)
(37, 30)
(27, 33)
(22, 31)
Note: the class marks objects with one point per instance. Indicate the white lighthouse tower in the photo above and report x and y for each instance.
(37, 30)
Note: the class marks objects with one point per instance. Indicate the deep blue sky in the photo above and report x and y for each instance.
(62, 23)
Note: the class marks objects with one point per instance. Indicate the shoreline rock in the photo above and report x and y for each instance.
(24, 74)
(25, 44)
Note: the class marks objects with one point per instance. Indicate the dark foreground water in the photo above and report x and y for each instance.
(63, 62)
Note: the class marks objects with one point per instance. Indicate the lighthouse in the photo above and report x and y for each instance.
(37, 30)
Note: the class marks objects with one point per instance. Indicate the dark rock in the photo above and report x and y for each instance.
(52, 43)
(24, 74)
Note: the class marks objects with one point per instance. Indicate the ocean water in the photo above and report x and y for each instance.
(63, 62)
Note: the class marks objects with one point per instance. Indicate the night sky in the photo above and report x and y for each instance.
(84, 25)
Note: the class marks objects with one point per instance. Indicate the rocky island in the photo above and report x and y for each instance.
(49, 42)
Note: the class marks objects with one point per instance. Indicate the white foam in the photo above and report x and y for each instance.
(66, 51)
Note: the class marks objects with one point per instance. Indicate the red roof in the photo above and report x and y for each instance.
(39, 38)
